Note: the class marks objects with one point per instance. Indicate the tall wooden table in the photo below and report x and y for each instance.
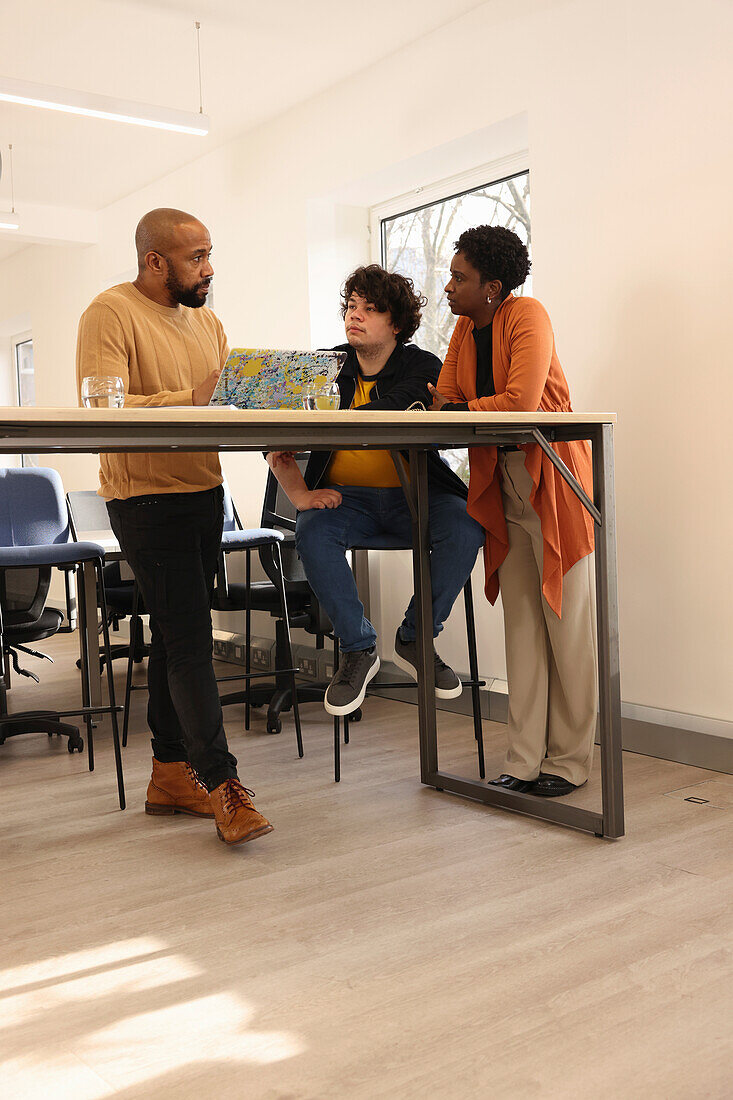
(63, 431)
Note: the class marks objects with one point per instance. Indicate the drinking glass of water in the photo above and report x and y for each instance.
(324, 398)
(103, 392)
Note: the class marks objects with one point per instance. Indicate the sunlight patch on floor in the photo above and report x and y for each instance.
(214, 1028)
(88, 1023)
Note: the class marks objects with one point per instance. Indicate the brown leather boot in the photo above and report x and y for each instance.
(237, 820)
(176, 789)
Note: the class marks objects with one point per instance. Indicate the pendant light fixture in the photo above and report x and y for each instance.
(107, 107)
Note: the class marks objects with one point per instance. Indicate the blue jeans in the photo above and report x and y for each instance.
(378, 519)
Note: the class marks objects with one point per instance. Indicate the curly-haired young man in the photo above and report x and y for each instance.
(354, 498)
(539, 537)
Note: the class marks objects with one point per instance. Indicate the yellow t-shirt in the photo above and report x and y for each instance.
(372, 468)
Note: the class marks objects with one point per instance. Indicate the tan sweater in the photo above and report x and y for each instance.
(161, 354)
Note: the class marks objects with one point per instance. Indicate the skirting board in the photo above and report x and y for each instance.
(663, 738)
(666, 742)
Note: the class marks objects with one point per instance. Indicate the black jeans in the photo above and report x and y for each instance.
(172, 543)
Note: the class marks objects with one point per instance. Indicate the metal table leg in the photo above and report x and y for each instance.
(424, 618)
(609, 679)
(88, 579)
(610, 822)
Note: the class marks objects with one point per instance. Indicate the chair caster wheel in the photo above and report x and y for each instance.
(275, 727)
(76, 746)
(356, 716)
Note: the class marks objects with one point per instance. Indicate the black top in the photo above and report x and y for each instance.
(484, 369)
(402, 381)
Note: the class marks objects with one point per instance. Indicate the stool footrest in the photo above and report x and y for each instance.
(257, 675)
(412, 683)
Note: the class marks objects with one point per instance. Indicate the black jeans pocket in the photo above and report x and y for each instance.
(175, 580)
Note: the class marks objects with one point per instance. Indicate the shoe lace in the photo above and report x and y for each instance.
(349, 668)
(236, 796)
(439, 662)
(196, 779)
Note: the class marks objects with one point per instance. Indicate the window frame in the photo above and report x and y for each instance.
(450, 187)
(16, 342)
(475, 179)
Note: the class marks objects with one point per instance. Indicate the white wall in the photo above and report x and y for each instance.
(629, 108)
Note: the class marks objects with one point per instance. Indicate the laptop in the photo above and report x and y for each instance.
(257, 378)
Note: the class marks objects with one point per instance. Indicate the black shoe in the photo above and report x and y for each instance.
(346, 691)
(552, 786)
(511, 783)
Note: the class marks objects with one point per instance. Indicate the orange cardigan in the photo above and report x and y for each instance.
(527, 377)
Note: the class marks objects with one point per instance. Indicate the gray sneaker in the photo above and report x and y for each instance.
(347, 689)
(447, 684)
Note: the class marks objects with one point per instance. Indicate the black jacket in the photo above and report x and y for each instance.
(402, 381)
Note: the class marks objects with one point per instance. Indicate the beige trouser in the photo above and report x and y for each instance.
(551, 661)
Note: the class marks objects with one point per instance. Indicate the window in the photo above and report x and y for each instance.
(25, 380)
(419, 243)
(24, 372)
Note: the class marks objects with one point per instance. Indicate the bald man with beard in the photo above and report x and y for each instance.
(167, 511)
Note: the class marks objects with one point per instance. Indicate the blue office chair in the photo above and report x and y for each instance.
(34, 536)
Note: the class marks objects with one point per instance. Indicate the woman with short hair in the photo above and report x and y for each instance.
(539, 537)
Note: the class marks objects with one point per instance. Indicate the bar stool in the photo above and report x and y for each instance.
(385, 542)
(279, 512)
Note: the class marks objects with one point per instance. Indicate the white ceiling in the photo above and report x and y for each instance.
(8, 246)
(258, 59)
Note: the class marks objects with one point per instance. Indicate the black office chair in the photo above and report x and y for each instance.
(304, 612)
(24, 618)
(279, 512)
(88, 517)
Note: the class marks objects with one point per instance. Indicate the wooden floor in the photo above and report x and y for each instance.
(384, 941)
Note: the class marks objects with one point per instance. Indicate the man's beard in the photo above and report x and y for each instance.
(367, 351)
(191, 296)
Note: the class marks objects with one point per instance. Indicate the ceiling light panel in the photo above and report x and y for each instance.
(102, 106)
